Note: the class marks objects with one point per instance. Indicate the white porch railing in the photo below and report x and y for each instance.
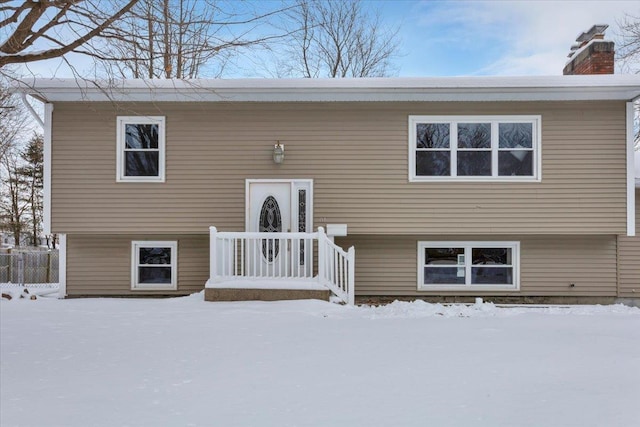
(282, 257)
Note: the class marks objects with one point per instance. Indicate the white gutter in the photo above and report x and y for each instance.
(631, 178)
(490, 88)
(341, 95)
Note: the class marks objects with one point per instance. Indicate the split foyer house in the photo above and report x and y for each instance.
(507, 188)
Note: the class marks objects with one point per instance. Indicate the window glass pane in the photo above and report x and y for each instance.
(141, 136)
(433, 163)
(474, 163)
(155, 256)
(154, 275)
(491, 256)
(443, 256)
(432, 135)
(474, 135)
(142, 163)
(515, 135)
(444, 276)
(515, 162)
(491, 275)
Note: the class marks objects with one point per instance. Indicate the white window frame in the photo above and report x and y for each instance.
(453, 121)
(468, 259)
(135, 263)
(122, 121)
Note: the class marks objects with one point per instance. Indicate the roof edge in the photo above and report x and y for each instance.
(483, 88)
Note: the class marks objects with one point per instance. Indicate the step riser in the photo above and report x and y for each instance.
(222, 294)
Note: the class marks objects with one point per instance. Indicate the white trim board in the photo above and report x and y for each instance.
(631, 190)
(62, 266)
(46, 189)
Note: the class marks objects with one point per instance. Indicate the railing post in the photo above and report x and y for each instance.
(351, 257)
(322, 255)
(213, 267)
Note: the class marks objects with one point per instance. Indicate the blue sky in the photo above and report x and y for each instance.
(448, 38)
(442, 38)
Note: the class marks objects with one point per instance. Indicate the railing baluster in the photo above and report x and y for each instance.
(240, 255)
(242, 266)
(254, 258)
(223, 265)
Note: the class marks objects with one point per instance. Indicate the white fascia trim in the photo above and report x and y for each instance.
(46, 190)
(62, 265)
(350, 95)
(484, 88)
(631, 190)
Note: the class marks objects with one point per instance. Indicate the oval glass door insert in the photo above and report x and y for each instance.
(271, 222)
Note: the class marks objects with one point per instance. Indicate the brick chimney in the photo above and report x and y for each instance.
(591, 54)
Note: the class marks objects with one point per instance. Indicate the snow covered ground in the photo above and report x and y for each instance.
(186, 362)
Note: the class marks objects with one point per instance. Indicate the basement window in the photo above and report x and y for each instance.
(141, 149)
(481, 266)
(154, 265)
(474, 148)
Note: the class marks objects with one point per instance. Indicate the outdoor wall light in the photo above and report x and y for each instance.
(278, 153)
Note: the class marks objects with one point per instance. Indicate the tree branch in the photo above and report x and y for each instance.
(27, 24)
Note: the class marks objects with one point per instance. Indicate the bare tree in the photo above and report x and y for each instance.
(628, 59)
(13, 206)
(13, 121)
(181, 38)
(31, 175)
(338, 39)
(21, 185)
(628, 44)
(45, 29)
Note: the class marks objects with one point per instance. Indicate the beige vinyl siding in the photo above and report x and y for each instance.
(357, 155)
(388, 265)
(101, 264)
(629, 260)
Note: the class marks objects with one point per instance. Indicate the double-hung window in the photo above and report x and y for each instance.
(141, 149)
(474, 148)
(154, 265)
(468, 265)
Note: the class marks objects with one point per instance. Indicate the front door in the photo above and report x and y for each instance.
(277, 206)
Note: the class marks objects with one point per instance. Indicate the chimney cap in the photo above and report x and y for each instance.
(596, 30)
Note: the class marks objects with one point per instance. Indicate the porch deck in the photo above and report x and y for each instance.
(274, 266)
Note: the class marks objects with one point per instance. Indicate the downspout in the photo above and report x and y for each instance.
(35, 115)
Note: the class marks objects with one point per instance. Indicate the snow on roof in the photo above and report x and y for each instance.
(484, 88)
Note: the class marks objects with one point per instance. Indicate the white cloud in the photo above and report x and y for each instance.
(535, 36)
